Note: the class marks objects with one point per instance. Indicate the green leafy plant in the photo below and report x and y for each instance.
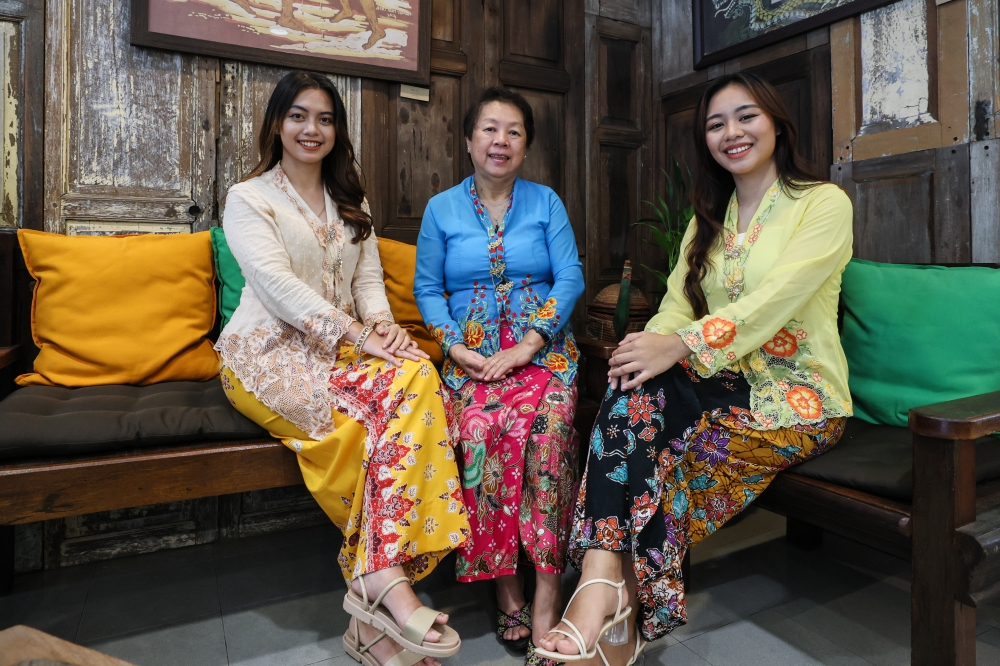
(672, 211)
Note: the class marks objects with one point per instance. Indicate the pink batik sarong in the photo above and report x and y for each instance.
(519, 453)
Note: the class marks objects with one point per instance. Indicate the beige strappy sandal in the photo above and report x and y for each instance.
(360, 653)
(410, 637)
(621, 614)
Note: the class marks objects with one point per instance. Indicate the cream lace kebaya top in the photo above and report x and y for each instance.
(772, 303)
(283, 339)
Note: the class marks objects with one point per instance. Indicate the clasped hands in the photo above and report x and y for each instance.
(499, 365)
(642, 356)
(390, 342)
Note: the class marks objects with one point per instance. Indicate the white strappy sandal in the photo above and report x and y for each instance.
(410, 637)
(621, 614)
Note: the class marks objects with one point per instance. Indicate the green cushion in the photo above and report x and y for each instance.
(229, 275)
(917, 335)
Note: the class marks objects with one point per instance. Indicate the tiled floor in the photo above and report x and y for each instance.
(276, 600)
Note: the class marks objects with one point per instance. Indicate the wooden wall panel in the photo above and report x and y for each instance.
(133, 129)
(911, 208)
(620, 155)
(984, 167)
(545, 159)
(534, 31)
(427, 147)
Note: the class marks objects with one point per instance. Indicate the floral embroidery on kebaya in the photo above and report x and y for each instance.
(783, 344)
(719, 333)
(805, 402)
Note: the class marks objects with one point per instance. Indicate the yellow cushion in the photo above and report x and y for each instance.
(399, 263)
(120, 310)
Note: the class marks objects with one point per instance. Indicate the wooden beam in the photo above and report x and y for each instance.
(44, 490)
(943, 628)
(966, 419)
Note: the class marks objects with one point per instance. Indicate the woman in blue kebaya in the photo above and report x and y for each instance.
(498, 276)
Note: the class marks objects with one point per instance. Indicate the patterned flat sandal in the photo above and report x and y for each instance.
(521, 618)
(532, 658)
(610, 622)
(410, 637)
(360, 653)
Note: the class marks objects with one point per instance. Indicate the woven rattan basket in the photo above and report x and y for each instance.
(601, 313)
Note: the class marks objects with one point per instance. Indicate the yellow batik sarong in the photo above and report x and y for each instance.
(387, 476)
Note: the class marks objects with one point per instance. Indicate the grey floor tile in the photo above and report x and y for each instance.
(161, 559)
(661, 644)
(872, 620)
(677, 654)
(769, 638)
(342, 660)
(55, 609)
(125, 604)
(987, 654)
(991, 636)
(198, 643)
(290, 632)
(262, 576)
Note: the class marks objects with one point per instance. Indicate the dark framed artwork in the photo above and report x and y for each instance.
(382, 39)
(724, 29)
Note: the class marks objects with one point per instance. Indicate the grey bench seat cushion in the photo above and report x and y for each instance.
(49, 421)
(878, 459)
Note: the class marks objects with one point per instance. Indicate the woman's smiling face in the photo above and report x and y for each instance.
(498, 141)
(740, 136)
(307, 132)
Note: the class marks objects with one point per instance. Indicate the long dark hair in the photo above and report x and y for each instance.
(713, 185)
(340, 173)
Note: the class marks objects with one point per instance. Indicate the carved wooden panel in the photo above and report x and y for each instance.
(130, 131)
(444, 16)
(618, 196)
(143, 529)
(910, 208)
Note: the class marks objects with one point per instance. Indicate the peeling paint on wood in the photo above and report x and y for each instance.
(10, 124)
(895, 81)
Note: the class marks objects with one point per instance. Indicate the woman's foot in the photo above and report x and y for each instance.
(546, 606)
(400, 600)
(592, 605)
(510, 599)
(384, 650)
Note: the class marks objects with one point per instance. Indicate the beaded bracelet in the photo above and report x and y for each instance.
(362, 337)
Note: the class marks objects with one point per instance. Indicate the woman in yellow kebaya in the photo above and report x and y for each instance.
(738, 376)
(313, 355)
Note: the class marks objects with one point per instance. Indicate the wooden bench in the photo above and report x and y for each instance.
(950, 531)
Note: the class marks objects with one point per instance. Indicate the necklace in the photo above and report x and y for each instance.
(736, 253)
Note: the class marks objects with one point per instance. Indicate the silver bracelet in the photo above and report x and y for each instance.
(362, 337)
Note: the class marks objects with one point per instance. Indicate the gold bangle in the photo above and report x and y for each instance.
(362, 337)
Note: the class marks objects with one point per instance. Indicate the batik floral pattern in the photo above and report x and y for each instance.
(518, 451)
(671, 462)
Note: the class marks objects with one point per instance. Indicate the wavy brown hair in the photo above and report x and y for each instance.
(339, 168)
(714, 185)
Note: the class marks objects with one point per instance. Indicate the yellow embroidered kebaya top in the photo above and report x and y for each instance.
(772, 303)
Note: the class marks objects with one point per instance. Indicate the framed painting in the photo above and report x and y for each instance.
(724, 29)
(382, 39)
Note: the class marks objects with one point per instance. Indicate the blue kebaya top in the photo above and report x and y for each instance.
(472, 276)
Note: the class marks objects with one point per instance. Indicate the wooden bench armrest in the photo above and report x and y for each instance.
(8, 355)
(968, 418)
